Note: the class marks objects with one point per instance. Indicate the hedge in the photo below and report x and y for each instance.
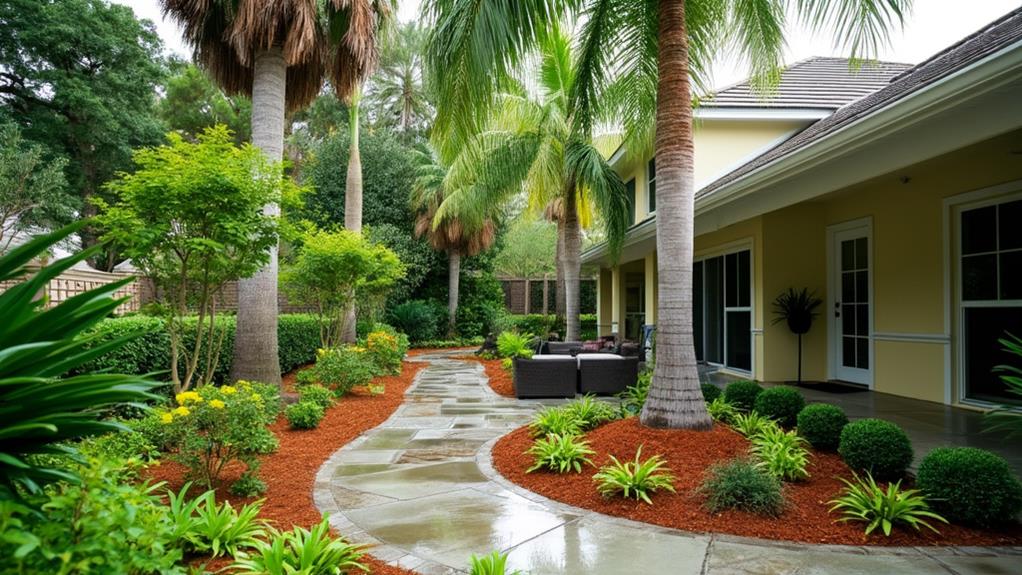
(539, 324)
(297, 338)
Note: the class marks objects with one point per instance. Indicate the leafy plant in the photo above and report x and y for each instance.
(343, 368)
(511, 344)
(721, 411)
(970, 486)
(741, 484)
(493, 564)
(866, 501)
(387, 348)
(416, 319)
(300, 551)
(1007, 418)
(560, 453)
(798, 309)
(634, 396)
(751, 424)
(876, 446)
(555, 420)
(637, 478)
(220, 529)
(821, 425)
(41, 409)
(781, 453)
(317, 394)
(742, 394)
(590, 412)
(304, 415)
(710, 391)
(782, 404)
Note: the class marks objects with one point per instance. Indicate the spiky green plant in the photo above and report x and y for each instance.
(751, 424)
(301, 551)
(721, 410)
(220, 529)
(637, 478)
(560, 453)
(493, 564)
(556, 420)
(781, 453)
(590, 412)
(864, 500)
(1007, 418)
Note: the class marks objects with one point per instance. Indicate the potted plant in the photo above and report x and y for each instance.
(798, 309)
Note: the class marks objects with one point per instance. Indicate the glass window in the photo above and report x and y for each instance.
(651, 184)
(721, 299)
(630, 197)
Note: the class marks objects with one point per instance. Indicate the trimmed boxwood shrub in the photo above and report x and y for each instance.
(821, 425)
(781, 404)
(742, 394)
(877, 446)
(969, 485)
(710, 392)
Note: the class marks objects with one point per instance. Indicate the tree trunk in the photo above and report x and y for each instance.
(560, 306)
(353, 202)
(453, 283)
(572, 259)
(675, 399)
(255, 340)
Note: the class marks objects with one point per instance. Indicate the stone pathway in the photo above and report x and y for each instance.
(420, 488)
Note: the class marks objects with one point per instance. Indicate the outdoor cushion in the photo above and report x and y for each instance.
(551, 356)
(598, 356)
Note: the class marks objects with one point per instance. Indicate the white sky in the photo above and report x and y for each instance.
(933, 25)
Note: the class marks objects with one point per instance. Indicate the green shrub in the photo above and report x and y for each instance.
(751, 424)
(555, 420)
(304, 415)
(560, 453)
(493, 564)
(416, 319)
(782, 404)
(297, 340)
(449, 343)
(121, 445)
(864, 500)
(387, 350)
(317, 394)
(742, 394)
(878, 447)
(512, 344)
(219, 529)
(637, 479)
(821, 425)
(590, 412)
(305, 551)
(342, 368)
(740, 484)
(781, 453)
(633, 398)
(710, 392)
(970, 486)
(721, 411)
(269, 398)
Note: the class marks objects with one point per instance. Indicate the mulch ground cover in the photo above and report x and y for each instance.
(291, 471)
(689, 454)
(501, 380)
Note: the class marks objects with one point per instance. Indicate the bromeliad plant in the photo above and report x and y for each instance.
(560, 453)
(300, 551)
(590, 412)
(493, 564)
(721, 410)
(780, 453)
(219, 529)
(864, 500)
(42, 410)
(751, 424)
(555, 420)
(636, 479)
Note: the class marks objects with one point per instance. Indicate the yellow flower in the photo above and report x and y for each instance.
(188, 396)
(228, 390)
(181, 411)
(167, 417)
(256, 397)
(216, 404)
(243, 384)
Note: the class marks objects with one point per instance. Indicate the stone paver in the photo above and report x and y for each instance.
(422, 490)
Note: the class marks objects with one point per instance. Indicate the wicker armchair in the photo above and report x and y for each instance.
(606, 374)
(563, 347)
(546, 376)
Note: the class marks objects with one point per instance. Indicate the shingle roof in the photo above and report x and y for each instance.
(997, 35)
(815, 83)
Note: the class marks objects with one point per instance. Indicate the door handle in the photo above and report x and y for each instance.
(837, 309)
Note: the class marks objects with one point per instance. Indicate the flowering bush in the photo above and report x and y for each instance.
(213, 426)
(342, 368)
(387, 350)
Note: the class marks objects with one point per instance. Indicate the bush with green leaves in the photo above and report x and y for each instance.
(416, 319)
(633, 398)
(555, 420)
(782, 404)
(741, 484)
(493, 564)
(219, 529)
(343, 368)
(123, 445)
(300, 551)
(304, 415)
(1007, 418)
(560, 453)
(751, 424)
(41, 407)
(387, 347)
(781, 453)
(710, 391)
(970, 486)
(878, 447)
(721, 410)
(316, 394)
(863, 500)
(821, 425)
(636, 479)
(511, 344)
(590, 412)
(742, 394)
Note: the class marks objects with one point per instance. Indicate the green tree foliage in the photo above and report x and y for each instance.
(397, 96)
(191, 218)
(192, 103)
(32, 189)
(421, 261)
(80, 77)
(333, 269)
(528, 250)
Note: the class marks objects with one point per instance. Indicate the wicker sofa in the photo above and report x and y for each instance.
(546, 376)
(605, 373)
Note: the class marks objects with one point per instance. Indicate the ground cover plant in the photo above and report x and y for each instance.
(863, 500)
(637, 479)
(560, 453)
(877, 446)
(970, 486)
(742, 484)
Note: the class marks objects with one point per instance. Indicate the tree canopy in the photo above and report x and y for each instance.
(192, 102)
(32, 189)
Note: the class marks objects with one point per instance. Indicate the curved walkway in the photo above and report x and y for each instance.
(421, 489)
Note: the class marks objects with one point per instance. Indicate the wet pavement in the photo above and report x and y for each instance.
(420, 488)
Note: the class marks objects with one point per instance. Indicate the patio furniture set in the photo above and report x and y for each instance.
(564, 369)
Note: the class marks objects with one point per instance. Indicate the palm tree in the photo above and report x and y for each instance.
(274, 51)
(642, 56)
(397, 91)
(463, 234)
(565, 175)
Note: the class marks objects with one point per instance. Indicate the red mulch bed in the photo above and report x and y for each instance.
(501, 381)
(291, 471)
(689, 454)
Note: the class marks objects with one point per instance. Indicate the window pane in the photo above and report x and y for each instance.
(862, 287)
(739, 340)
(848, 287)
(630, 196)
(714, 282)
(697, 308)
(848, 351)
(1009, 217)
(979, 230)
(862, 319)
(862, 352)
(848, 255)
(983, 327)
(652, 196)
(744, 280)
(1011, 275)
(861, 253)
(979, 277)
(731, 277)
(848, 319)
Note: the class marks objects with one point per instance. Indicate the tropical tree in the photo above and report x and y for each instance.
(642, 57)
(192, 102)
(397, 94)
(276, 52)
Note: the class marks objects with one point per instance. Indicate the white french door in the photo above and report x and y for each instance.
(851, 303)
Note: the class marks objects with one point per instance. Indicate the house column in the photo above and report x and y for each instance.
(604, 303)
(650, 284)
(617, 305)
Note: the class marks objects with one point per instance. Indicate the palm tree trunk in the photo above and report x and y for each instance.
(353, 202)
(255, 340)
(572, 258)
(675, 400)
(559, 263)
(453, 283)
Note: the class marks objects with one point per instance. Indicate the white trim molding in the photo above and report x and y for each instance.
(739, 113)
(938, 338)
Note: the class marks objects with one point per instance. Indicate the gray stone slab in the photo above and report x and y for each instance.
(744, 559)
(1002, 565)
(410, 482)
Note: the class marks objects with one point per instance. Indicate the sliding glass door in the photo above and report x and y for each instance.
(722, 310)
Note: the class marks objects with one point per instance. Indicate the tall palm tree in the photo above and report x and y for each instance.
(275, 51)
(397, 91)
(643, 56)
